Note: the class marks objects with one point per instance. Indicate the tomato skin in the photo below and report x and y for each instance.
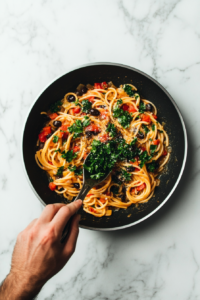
(104, 114)
(64, 127)
(88, 195)
(92, 209)
(132, 108)
(46, 130)
(104, 85)
(146, 118)
(97, 85)
(42, 137)
(125, 107)
(52, 186)
(156, 142)
(53, 116)
(91, 99)
(103, 138)
(155, 117)
(93, 127)
(164, 153)
(141, 187)
(50, 162)
(102, 200)
(76, 149)
(76, 110)
(143, 149)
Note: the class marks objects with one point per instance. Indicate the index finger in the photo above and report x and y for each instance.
(64, 214)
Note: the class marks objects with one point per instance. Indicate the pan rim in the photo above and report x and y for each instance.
(182, 123)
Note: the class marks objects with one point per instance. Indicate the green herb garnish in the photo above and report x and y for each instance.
(146, 129)
(142, 107)
(75, 170)
(144, 157)
(69, 155)
(124, 175)
(55, 106)
(86, 106)
(114, 189)
(58, 150)
(128, 89)
(78, 126)
(112, 130)
(153, 149)
(153, 127)
(152, 166)
(123, 117)
(60, 171)
(55, 139)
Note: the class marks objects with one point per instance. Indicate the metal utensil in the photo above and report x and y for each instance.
(88, 184)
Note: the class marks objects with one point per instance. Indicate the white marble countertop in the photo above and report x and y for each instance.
(39, 40)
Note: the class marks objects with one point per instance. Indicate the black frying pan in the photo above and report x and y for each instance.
(150, 89)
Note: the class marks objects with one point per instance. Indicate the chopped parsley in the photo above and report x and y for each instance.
(136, 96)
(60, 171)
(160, 131)
(51, 179)
(142, 107)
(55, 139)
(153, 127)
(75, 170)
(58, 150)
(123, 117)
(77, 102)
(128, 89)
(146, 129)
(112, 130)
(153, 149)
(144, 157)
(78, 126)
(152, 166)
(86, 106)
(55, 106)
(114, 189)
(68, 155)
(124, 175)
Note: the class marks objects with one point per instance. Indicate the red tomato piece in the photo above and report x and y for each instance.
(103, 138)
(64, 127)
(102, 200)
(155, 117)
(88, 195)
(76, 110)
(92, 210)
(104, 85)
(60, 134)
(91, 99)
(125, 107)
(42, 137)
(76, 149)
(141, 187)
(46, 130)
(132, 108)
(104, 114)
(164, 153)
(52, 186)
(97, 85)
(65, 135)
(156, 142)
(107, 193)
(53, 116)
(83, 114)
(146, 118)
(93, 127)
(143, 148)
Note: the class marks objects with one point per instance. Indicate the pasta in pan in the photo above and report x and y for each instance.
(122, 132)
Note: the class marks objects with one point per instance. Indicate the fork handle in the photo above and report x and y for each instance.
(82, 194)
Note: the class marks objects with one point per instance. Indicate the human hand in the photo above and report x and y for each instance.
(38, 254)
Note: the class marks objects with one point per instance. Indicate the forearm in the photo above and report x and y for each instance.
(16, 287)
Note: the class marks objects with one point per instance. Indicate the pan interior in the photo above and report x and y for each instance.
(150, 90)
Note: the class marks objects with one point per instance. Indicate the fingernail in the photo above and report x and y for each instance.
(79, 202)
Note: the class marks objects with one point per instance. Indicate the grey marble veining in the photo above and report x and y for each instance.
(39, 40)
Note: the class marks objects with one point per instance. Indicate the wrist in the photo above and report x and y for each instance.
(20, 286)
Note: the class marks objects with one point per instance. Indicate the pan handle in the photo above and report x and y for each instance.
(82, 194)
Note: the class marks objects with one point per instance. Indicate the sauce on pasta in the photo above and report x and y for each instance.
(123, 134)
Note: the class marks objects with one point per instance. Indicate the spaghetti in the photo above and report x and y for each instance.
(103, 116)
